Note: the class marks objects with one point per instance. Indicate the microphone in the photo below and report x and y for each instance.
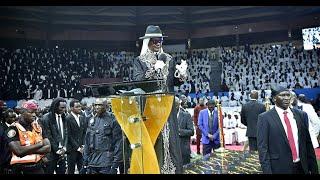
(163, 57)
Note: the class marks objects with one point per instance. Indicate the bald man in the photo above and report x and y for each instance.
(249, 117)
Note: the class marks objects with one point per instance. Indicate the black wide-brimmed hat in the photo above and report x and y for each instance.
(152, 32)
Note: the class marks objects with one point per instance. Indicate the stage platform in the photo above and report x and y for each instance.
(229, 162)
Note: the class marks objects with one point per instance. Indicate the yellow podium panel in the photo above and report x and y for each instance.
(142, 132)
(157, 112)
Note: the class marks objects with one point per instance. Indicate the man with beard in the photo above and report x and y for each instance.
(27, 142)
(55, 127)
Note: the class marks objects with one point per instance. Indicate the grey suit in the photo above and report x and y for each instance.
(186, 130)
(274, 149)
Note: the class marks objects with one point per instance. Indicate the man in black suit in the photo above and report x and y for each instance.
(55, 127)
(284, 142)
(77, 128)
(5, 152)
(185, 131)
(249, 117)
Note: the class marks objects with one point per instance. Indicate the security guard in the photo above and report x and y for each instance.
(103, 142)
(27, 143)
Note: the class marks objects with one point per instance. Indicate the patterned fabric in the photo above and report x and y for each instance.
(31, 105)
(168, 167)
(229, 162)
(150, 59)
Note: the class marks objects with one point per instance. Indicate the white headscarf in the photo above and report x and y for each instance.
(145, 47)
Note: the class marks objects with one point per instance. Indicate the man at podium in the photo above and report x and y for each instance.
(154, 64)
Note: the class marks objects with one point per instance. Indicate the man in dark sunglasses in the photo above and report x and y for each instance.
(155, 44)
(154, 64)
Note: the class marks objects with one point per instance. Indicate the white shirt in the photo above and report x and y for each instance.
(294, 127)
(77, 117)
(7, 124)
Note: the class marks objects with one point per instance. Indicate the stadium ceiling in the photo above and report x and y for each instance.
(135, 18)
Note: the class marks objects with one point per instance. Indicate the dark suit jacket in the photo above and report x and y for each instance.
(76, 133)
(5, 153)
(273, 145)
(52, 132)
(249, 116)
(186, 130)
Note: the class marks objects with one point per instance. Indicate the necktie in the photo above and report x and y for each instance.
(290, 136)
(211, 122)
(59, 126)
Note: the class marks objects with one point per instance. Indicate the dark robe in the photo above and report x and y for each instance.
(139, 70)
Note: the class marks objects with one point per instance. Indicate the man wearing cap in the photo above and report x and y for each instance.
(27, 142)
(103, 142)
(284, 142)
(154, 64)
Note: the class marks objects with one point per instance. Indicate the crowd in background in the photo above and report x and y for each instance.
(46, 73)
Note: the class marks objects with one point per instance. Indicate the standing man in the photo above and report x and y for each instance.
(249, 117)
(313, 119)
(209, 126)
(56, 129)
(5, 154)
(196, 112)
(284, 142)
(27, 142)
(154, 64)
(77, 128)
(185, 131)
(86, 111)
(103, 142)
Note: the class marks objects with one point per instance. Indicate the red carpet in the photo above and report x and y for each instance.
(239, 148)
(231, 147)
(317, 150)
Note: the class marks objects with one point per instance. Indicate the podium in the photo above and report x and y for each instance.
(142, 117)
